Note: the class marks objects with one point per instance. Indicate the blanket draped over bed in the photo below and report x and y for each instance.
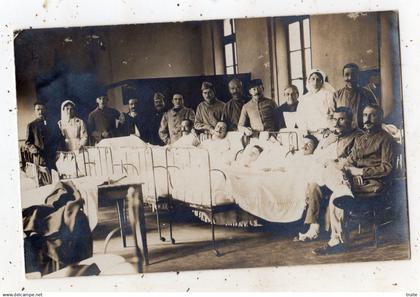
(56, 231)
(273, 196)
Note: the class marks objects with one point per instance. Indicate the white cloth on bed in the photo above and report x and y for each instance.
(70, 164)
(278, 195)
(316, 169)
(220, 151)
(274, 196)
(190, 140)
(118, 142)
(136, 158)
(192, 182)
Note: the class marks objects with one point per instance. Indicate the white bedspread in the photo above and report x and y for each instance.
(191, 181)
(273, 196)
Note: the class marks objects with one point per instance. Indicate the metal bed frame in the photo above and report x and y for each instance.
(89, 159)
(143, 159)
(145, 156)
(213, 209)
(101, 161)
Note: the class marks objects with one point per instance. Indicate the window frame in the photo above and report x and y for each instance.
(288, 21)
(230, 39)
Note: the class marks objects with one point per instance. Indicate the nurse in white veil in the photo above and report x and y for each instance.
(72, 128)
(315, 106)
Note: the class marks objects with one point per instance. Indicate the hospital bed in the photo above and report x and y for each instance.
(194, 183)
(137, 162)
(173, 175)
(195, 180)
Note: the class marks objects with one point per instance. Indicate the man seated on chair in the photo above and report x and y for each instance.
(369, 166)
(337, 144)
(189, 137)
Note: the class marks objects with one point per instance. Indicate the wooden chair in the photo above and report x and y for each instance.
(378, 208)
(374, 208)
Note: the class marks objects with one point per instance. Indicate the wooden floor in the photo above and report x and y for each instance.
(269, 245)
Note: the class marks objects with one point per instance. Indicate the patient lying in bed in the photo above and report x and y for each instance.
(271, 156)
(273, 186)
(189, 137)
(221, 149)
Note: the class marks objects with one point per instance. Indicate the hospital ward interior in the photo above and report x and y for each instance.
(236, 143)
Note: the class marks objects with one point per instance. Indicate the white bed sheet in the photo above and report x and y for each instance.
(273, 196)
(190, 178)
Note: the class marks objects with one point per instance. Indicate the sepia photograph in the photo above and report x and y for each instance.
(214, 144)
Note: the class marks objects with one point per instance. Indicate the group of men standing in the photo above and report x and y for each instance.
(159, 126)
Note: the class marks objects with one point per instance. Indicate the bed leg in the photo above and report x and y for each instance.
(170, 208)
(213, 237)
(158, 222)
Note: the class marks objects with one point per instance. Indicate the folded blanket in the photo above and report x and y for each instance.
(57, 232)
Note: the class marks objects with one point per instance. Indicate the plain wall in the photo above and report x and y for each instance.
(339, 39)
(217, 66)
(75, 62)
(253, 50)
(281, 58)
(390, 66)
(153, 51)
(56, 66)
